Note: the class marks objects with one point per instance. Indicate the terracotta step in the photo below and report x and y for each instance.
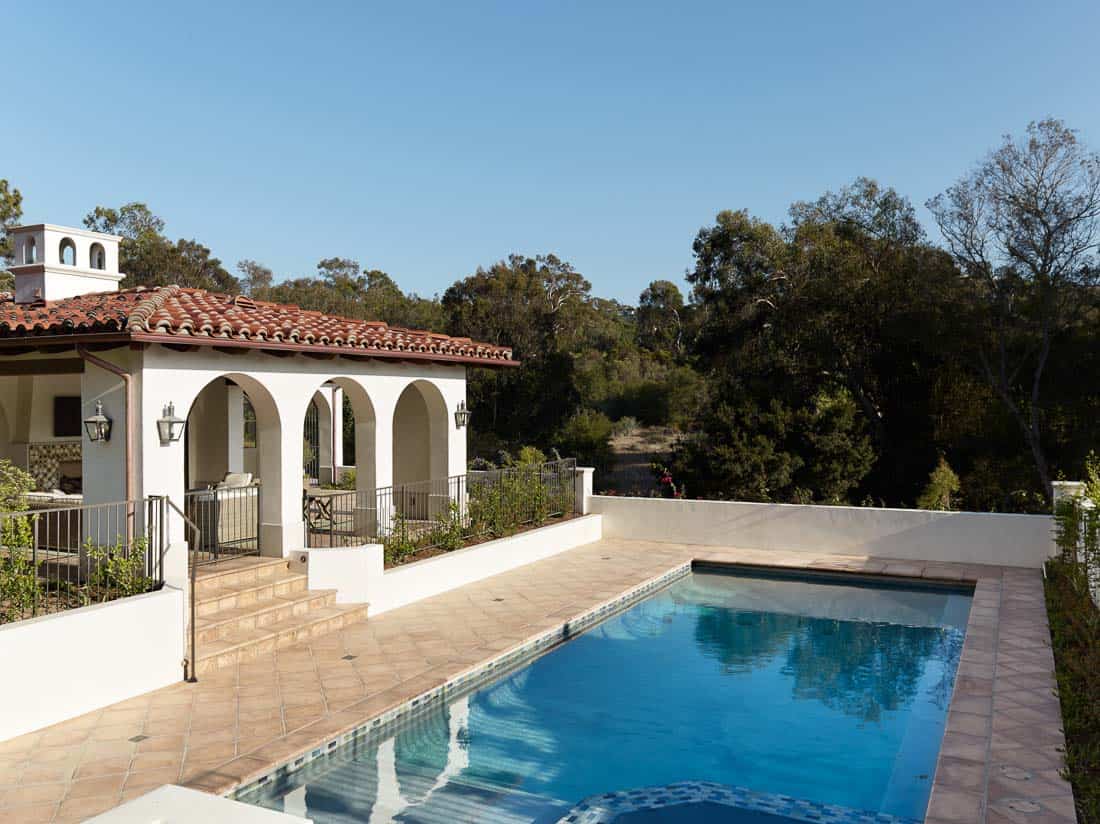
(238, 572)
(243, 645)
(221, 624)
(239, 596)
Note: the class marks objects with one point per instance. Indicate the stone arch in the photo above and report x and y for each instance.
(97, 257)
(364, 421)
(209, 439)
(420, 433)
(66, 252)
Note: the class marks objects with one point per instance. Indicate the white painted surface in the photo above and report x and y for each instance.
(582, 489)
(351, 571)
(280, 389)
(909, 534)
(59, 666)
(49, 275)
(171, 804)
(423, 579)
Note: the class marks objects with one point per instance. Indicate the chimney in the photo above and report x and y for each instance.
(57, 262)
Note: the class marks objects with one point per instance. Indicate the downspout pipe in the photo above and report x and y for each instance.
(128, 381)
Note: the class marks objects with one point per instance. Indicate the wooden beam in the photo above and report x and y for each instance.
(42, 366)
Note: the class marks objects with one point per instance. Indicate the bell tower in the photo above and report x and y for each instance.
(57, 262)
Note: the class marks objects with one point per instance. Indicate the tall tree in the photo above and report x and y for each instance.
(11, 210)
(255, 278)
(1023, 226)
(660, 318)
(148, 258)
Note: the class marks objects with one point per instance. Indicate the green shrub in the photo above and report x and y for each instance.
(449, 531)
(116, 572)
(943, 485)
(586, 436)
(399, 543)
(627, 425)
(1075, 635)
(19, 587)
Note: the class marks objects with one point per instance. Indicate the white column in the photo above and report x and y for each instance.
(582, 489)
(235, 428)
(337, 428)
(282, 530)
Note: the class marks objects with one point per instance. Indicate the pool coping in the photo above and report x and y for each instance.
(999, 759)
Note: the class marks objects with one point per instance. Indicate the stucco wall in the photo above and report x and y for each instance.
(970, 537)
(280, 389)
(208, 435)
(357, 574)
(411, 439)
(59, 666)
(413, 582)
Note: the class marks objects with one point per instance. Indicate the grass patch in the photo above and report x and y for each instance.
(1075, 633)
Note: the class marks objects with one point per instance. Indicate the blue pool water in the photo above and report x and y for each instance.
(817, 689)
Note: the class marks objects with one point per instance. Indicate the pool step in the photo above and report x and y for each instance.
(250, 607)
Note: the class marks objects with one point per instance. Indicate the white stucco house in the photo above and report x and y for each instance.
(260, 385)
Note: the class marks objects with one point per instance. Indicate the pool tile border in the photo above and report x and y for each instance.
(518, 655)
(980, 771)
(605, 808)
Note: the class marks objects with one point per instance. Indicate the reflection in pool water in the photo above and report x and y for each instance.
(811, 688)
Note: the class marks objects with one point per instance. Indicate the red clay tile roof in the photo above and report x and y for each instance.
(172, 315)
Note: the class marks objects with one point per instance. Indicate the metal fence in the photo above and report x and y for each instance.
(58, 558)
(227, 522)
(444, 514)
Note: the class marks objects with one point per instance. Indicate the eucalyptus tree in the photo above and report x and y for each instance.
(1023, 226)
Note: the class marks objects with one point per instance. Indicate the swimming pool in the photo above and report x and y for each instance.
(760, 695)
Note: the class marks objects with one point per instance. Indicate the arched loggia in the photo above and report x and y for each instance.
(232, 451)
(420, 433)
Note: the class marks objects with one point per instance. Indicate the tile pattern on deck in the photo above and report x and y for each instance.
(1000, 756)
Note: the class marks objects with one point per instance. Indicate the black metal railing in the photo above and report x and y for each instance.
(442, 514)
(227, 519)
(58, 558)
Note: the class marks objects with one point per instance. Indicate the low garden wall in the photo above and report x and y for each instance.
(357, 574)
(908, 534)
(62, 665)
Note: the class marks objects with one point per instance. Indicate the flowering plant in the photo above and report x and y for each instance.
(666, 486)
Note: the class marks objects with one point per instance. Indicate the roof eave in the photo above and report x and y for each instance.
(22, 341)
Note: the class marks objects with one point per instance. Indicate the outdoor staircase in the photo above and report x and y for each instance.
(247, 607)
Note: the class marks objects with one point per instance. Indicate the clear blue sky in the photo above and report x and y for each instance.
(428, 139)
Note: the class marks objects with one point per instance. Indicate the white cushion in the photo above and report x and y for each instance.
(234, 480)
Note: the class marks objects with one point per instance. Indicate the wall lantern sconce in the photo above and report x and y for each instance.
(462, 415)
(169, 427)
(98, 425)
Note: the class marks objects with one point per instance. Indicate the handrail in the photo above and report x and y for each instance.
(190, 663)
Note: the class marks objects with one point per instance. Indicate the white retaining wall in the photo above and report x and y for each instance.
(59, 666)
(909, 534)
(357, 574)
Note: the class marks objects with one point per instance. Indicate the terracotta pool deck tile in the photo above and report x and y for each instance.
(239, 722)
(31, 814)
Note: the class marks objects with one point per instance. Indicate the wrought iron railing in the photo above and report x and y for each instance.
(442, 514)
(58, 558)
(227, 519)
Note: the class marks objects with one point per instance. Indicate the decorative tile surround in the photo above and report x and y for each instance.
(999, 763)
(44, 460)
